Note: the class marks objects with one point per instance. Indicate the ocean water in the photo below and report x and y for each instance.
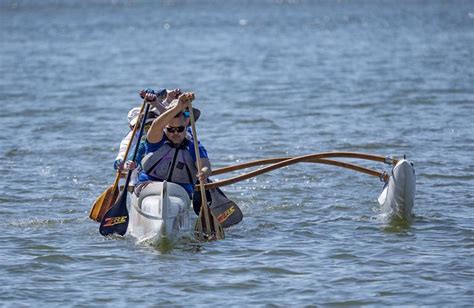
(272, 78)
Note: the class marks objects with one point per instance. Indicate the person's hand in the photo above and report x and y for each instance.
(118, 164)
(150, 97)
(202, 176)
(185, 99)
(143, 92)
(173, 94)
(130, 165)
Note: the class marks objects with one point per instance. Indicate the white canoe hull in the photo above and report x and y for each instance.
(398, 196)
(161, 212)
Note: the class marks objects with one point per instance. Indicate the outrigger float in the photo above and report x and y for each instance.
(162, 211)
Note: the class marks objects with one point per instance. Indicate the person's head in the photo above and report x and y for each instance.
(132, 116)
(176, 129)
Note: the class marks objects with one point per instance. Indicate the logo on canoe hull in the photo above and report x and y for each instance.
(223, 216)
(112, 221)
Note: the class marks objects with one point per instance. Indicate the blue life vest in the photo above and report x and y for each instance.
(172, 163)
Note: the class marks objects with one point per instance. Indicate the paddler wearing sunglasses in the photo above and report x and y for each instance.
(169, 150)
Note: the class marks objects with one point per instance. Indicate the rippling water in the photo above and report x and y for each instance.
(273, 78)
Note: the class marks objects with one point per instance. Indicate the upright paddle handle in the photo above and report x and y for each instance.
(137, 146)
(134, 131)
(199, 166)
(196, 150)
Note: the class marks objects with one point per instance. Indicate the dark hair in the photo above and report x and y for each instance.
(151, 115)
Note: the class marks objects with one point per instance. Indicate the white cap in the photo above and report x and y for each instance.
(133, 116)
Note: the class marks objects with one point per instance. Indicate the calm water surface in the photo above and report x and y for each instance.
(272, 78)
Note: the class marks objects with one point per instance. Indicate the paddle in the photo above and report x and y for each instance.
(116, 219)
(227, 211)
(105, 201)
(207, 226)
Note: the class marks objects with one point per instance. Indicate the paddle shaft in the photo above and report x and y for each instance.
(199, 166)
(134, 131)
(214, 228)
(137, 146)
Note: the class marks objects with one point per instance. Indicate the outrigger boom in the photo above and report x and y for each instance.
(320, 158)
(396, 199)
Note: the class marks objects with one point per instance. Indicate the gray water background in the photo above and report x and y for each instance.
(272, 78)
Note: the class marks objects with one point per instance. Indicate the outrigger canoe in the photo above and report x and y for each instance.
(162, 212)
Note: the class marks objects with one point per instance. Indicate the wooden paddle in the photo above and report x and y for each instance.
(116, 219)
(105, 201)
(227, 211)
(207, 226)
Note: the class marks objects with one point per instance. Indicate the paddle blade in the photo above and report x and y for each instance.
(103, 203)
(226, 211)
(228, 214)
(115, 221)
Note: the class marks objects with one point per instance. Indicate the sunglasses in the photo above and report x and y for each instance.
(178, 129)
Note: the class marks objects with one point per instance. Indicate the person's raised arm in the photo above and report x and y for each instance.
(155, 133)
(155, 98)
